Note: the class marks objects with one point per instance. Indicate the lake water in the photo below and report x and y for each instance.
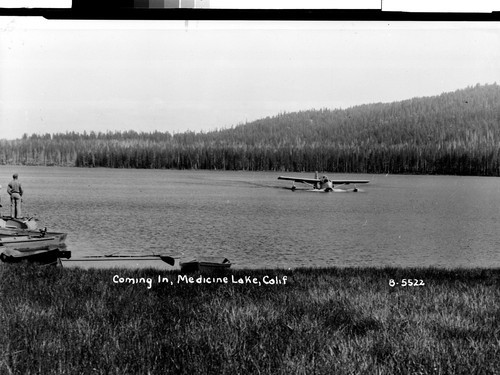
(257, 221)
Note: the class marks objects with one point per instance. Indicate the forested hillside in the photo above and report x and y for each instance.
(453, 133)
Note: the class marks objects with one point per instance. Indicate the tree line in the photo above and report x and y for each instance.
(454, 133)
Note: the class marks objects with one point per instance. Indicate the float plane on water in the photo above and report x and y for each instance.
(323, 184)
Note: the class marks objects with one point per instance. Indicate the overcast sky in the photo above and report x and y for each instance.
(58, 76)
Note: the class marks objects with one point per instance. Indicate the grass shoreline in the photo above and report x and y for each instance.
(318, 320)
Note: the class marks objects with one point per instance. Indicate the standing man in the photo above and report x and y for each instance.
(16, 192)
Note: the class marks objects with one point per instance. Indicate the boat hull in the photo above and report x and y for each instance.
(43, 255)
(23, 239)
(206, 265)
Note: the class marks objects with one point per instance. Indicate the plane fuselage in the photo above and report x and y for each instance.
(325, 184)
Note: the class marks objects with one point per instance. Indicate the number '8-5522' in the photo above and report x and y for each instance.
(407, 282)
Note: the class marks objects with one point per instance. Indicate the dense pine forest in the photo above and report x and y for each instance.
(454, 133)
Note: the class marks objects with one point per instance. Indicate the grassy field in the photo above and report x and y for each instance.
(317, 321)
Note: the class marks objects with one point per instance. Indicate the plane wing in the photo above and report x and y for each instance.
(314, 180)
(347, 182)
(299, 179)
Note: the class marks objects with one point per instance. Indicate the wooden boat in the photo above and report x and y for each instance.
(28, 239)
(18, 223)
(42, 255)
(206, 265)
(114, 258)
